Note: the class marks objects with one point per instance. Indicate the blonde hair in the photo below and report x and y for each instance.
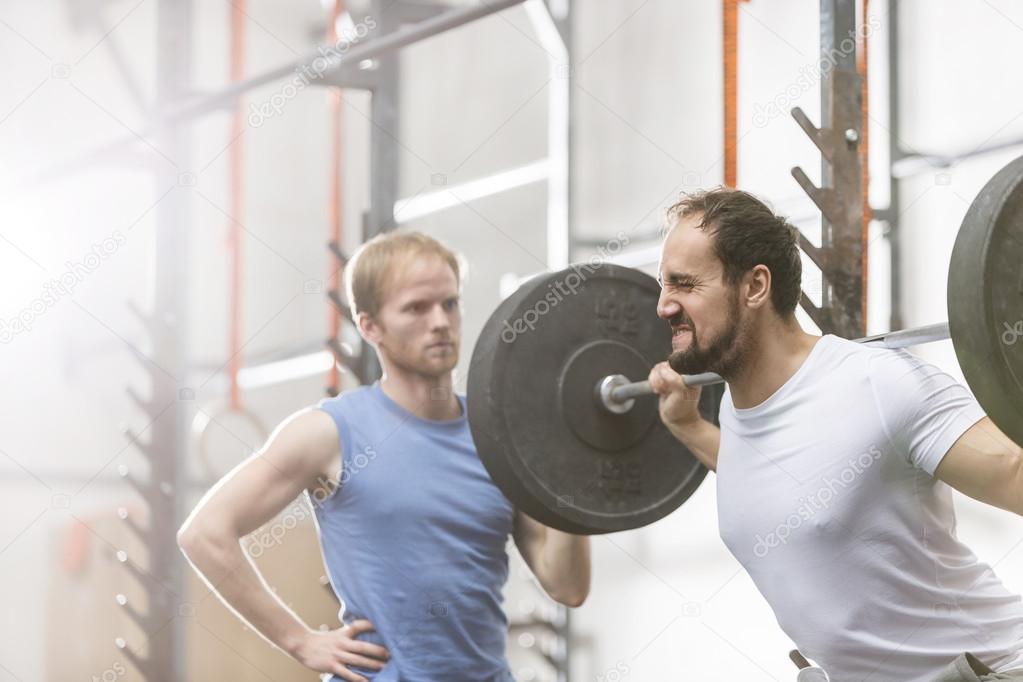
(370, 269)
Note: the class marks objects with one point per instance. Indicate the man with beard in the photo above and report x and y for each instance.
(835, 461)
(412, 529)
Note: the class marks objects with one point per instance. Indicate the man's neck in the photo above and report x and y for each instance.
(426, 397)
(781, 350)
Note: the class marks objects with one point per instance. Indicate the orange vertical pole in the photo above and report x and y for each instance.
(730, 16)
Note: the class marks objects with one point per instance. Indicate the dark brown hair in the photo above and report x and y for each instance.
(747, 233)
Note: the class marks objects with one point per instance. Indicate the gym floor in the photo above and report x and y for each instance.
(167, 282)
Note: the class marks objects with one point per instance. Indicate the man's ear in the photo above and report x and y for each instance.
(758, 286)
(369, 328)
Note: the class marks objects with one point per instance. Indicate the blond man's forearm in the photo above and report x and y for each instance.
(222, 563)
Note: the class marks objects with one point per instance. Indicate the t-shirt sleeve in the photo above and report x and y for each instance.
(924, 410)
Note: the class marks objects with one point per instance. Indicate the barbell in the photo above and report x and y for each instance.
(577, 445)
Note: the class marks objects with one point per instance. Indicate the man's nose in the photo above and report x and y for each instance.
(439, 318)
(666, 307)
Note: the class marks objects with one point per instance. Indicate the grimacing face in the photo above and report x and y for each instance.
(419, 325)
(707, 321)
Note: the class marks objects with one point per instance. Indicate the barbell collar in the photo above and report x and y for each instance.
(620, 404)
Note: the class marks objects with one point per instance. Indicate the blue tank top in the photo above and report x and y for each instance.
(414, 540)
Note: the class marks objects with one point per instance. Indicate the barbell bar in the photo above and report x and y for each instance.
(617, 394)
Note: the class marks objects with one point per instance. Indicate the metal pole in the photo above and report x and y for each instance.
(554, 31)
(384, 157)
(336, 65)
(613, 393)
(372, 48)
(839, 197)
(166, 495)
(895, 155)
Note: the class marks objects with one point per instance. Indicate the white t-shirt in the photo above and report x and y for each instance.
(826, 496)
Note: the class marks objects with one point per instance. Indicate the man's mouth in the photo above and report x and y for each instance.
(679, 335)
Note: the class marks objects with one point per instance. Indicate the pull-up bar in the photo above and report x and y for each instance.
(373, 47)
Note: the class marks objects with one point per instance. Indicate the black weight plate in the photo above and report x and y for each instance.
(547, 443)
(589, 419)
(985, 299)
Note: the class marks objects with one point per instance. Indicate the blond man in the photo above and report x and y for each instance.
(412, 529)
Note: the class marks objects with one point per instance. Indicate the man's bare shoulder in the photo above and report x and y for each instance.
(306, 441)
